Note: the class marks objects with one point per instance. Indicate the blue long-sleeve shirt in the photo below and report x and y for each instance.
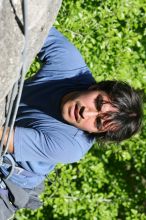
(42, 139)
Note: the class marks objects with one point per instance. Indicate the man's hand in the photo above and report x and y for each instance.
(11, 146)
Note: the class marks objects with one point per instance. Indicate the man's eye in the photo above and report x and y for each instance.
(99, 102)
(98, 123)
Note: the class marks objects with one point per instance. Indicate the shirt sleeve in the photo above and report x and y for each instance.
(59, 54)
(33, 145)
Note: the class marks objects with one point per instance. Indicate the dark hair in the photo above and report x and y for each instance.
(130, 111)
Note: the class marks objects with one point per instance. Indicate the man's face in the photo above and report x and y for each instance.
(83, 110)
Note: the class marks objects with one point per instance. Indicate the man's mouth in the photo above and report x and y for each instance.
(76, 113)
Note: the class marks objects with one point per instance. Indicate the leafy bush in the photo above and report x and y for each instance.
(110, 182)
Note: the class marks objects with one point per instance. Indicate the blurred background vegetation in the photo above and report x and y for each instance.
(110, 181)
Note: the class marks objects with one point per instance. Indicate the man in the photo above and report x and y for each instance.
(63, 109)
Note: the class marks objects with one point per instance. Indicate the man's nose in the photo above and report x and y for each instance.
(90, 114)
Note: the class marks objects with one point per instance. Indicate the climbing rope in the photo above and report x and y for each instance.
(15, 99)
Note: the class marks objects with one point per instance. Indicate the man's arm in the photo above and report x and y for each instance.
(60, 54)
(11, 145)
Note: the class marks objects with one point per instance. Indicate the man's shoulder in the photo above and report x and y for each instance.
(75, 139)
(70, 141)
(85, 140)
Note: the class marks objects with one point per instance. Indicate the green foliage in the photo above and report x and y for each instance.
(35, 66)
(111, 36)
(110, 181)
